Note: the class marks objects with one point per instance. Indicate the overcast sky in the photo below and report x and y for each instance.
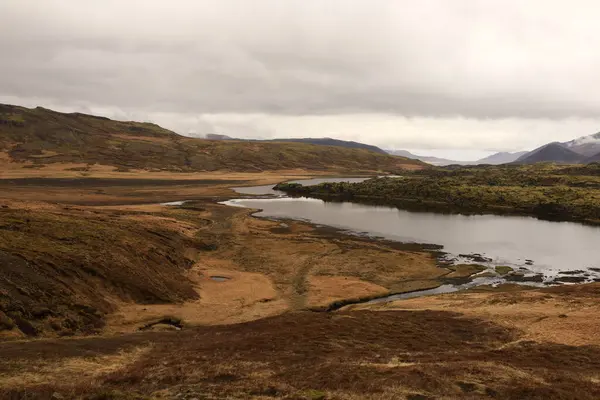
(458, 78)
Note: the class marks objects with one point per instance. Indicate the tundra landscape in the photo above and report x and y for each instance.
(134, 278)
(299, 200)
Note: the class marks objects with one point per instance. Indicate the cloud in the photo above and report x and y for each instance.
(313, 60)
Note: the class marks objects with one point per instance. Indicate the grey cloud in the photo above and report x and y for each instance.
(478, 59)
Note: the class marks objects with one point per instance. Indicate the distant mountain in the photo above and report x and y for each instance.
(214, 136)
(594, 158)
(428, 159)
(551, 152)
(586, 145)
(403, 153)
(318, 141)
(332, 142)
(501, 158)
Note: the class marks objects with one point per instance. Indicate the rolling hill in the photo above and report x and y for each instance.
(334, 142)
(501, 158)
(552, 152)
(428, 159)
(320, 141)
(40, 136)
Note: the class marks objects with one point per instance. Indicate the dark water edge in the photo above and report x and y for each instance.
(559, 246)
(430, 206)
(264, 198)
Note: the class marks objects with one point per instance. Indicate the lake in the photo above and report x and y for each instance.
(540, 246)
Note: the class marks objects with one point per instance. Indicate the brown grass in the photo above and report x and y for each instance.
(566, 315)
(272, 270)
(243, 297)
(513, 344)
(348, 355)
(324, 290)
(84, 368)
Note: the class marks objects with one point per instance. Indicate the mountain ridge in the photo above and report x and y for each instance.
(40, 136)
(502, 157)
(325, 141)
(551, 152)
(585, 145)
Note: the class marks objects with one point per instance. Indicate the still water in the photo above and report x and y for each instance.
(550, 247)
(268, 189)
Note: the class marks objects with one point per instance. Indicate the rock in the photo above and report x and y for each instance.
(520, 277)
(570, 279)
(57, 396)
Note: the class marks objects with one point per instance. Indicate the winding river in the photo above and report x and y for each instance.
(548, 249)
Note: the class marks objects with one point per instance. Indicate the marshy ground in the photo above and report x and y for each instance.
(91, 263)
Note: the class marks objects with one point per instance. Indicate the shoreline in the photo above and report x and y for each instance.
(432, 206)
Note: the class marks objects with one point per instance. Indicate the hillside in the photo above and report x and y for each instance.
(333, 142)
(552, 152)
(40, 136)
(494, 159)
(501, 158)
(319, 141)
(593, 159)
(584, 149)
(427, 159)
(586, 145)
(64, 269)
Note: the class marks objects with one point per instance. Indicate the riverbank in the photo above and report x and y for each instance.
(271, 267)
(560, 193)
(248, 334)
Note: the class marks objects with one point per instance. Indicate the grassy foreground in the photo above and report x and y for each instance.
(542, 190)
(379, 355)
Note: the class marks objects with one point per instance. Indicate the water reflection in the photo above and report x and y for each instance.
(506, 240)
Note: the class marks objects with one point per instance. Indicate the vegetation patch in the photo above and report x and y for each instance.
(543, 190)
(59, 267)
(464, 270)
(344, 355)
(503, 269)
(77, 138)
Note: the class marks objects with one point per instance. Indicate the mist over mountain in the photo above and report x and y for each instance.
(551, 152)
(585, 145)
(584, 149)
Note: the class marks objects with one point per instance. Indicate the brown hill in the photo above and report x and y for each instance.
(41, 136)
